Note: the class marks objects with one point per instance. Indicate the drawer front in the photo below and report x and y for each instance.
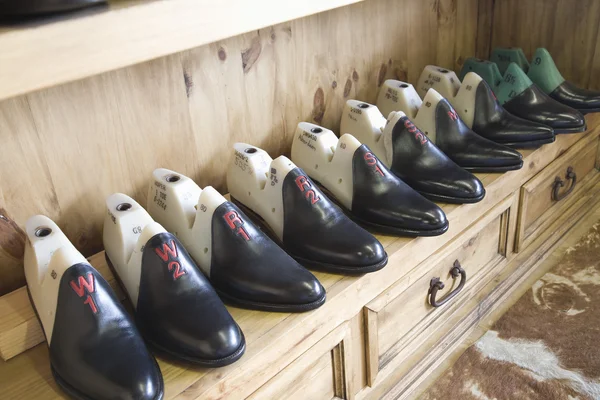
(402, 318)
(546, 193)
(323, 372)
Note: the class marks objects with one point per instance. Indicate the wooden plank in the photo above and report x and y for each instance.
(19, 136)
(358, 380)
(121, 36)
(318, 373)
(594, 73)
(446, 24)
(520, 234)
(485, 19)
(568, 30)
(113, 135)
(372, 344)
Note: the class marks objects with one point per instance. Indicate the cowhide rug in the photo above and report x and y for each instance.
(546, 347)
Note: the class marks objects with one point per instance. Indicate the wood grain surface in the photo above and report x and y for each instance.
(568, 29)
(126, 32)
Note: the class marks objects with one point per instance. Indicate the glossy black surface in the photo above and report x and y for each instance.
(584, 100)
(493, 122)
(469, 150)
(20, 8)
(179, 312)
(537, 106)
(248, 269)
(319, 235)
(381, 201)
(96, 351)
(425, 168)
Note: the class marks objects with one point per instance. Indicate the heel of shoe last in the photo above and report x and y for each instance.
(48, 254)
(441, 79)
(326, 159)
(256, 180)
(366, 123)
(398, 96)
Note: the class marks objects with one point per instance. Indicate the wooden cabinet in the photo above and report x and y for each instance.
(402, 318)
(554, 189)
(321, 373)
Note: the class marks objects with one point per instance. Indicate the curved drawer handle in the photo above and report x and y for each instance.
(559, 183)
(436, 284)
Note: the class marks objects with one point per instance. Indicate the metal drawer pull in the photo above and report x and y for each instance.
(436, 284)
(559, 183)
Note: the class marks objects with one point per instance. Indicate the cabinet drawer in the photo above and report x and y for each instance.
(546, 193)
(402, 318)
(322, 372)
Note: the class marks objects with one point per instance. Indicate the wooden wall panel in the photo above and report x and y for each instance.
(26, 187)
(66, 148)
(270, 80)
(567, 28)
(106, 134)
(594, 82)
(485, 18)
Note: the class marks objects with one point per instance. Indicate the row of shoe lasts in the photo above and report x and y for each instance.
(380, 172)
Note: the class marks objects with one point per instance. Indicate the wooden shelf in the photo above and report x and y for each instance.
(128, 32)
(274, 340)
